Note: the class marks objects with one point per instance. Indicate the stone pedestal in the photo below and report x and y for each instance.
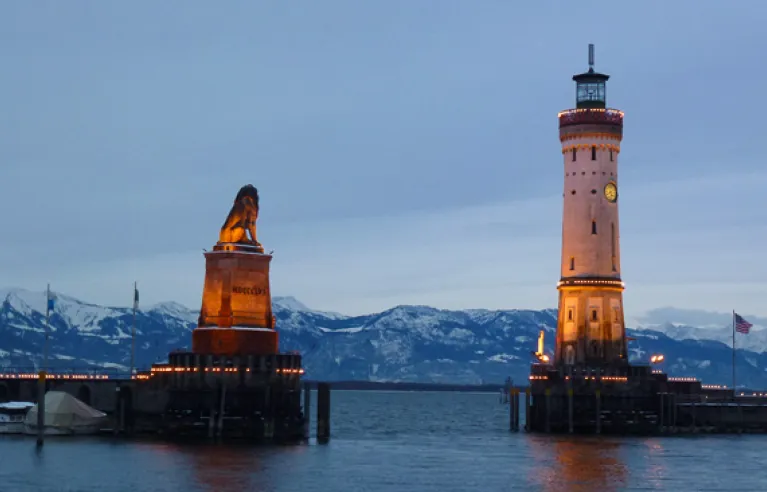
(236, 315)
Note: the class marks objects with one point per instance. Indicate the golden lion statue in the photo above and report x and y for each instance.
(242, 218)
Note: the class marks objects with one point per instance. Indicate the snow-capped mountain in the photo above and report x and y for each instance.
(404, 343)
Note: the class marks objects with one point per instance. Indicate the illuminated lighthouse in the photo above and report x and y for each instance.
(590, 327)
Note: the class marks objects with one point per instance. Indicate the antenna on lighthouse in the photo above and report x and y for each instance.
(591, 57)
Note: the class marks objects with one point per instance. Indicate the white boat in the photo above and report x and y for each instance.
(65, 415)
(12, 415)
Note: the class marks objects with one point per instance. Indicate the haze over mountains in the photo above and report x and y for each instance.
(404, 343)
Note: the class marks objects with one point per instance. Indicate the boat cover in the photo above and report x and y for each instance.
(65, 412)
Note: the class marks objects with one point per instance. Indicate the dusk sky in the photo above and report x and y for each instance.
(405, 152)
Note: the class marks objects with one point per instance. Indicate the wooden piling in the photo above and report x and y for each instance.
(116, 419)
(40, 407)
(122, 413)
(323, 412)
(673, 411)
(661, 423)
(221, 412)
(570, 410)
(527, 410)
(694, 416)
(512, 410)
(212, 418)
(548, 410)
(599, 412)
(307, 410)
(269, 415)
(740, 418)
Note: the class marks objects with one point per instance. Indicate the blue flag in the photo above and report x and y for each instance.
(50, 304)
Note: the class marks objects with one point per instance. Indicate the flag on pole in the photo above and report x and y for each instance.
(135, 297)
(741, 325)
(51, 299)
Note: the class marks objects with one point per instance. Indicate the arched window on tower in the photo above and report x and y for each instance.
(572, 263)
(574, 153)
(611, 155)
(594, 315)
(593, 226)
(594, 153)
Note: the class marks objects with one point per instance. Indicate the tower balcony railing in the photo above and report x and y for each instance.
(590, 115)
(591, 282)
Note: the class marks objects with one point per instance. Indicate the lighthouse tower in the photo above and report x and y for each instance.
(590, 327)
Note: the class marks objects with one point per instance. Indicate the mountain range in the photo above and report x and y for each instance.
(404, 343)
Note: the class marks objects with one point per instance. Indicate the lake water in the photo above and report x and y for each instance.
(391, 441)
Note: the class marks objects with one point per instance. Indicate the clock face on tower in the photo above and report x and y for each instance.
(611, 192)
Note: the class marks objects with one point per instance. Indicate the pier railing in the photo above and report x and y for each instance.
(32, 372)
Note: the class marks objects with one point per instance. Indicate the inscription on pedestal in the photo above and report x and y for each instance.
(251, 291)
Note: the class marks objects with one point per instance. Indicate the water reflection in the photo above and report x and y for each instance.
(218, 467)
(577, 463)
(225, 467)
(655, 471)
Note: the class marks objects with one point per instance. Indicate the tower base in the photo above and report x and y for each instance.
(628, 399)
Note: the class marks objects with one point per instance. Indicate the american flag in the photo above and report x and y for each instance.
(741, 325)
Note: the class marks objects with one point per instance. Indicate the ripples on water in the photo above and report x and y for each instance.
(385, 441)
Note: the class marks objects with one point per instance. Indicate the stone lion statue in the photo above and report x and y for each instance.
(242, 218)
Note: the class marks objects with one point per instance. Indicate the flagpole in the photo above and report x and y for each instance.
(133, 330)
(733, 351)
(47, 325)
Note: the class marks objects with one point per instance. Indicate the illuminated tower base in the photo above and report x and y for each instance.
(590, 328)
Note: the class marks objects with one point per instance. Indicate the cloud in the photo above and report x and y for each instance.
(400, 159)
(687, 243)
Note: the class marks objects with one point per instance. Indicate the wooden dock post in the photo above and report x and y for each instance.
(513, 410)
(268, 414)
(661, 423)
(323, 412)
(527, 409)
(548, 410)
(674, 398)
(694, 416)
(221, 403)
(212, 418)
(570, 410)
(599, 412)
(40, 407)
(740, 418)
(122, 413)
(119, 422)
(307, 410)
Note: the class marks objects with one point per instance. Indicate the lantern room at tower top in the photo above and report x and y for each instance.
(591, 101)
(590, 88)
